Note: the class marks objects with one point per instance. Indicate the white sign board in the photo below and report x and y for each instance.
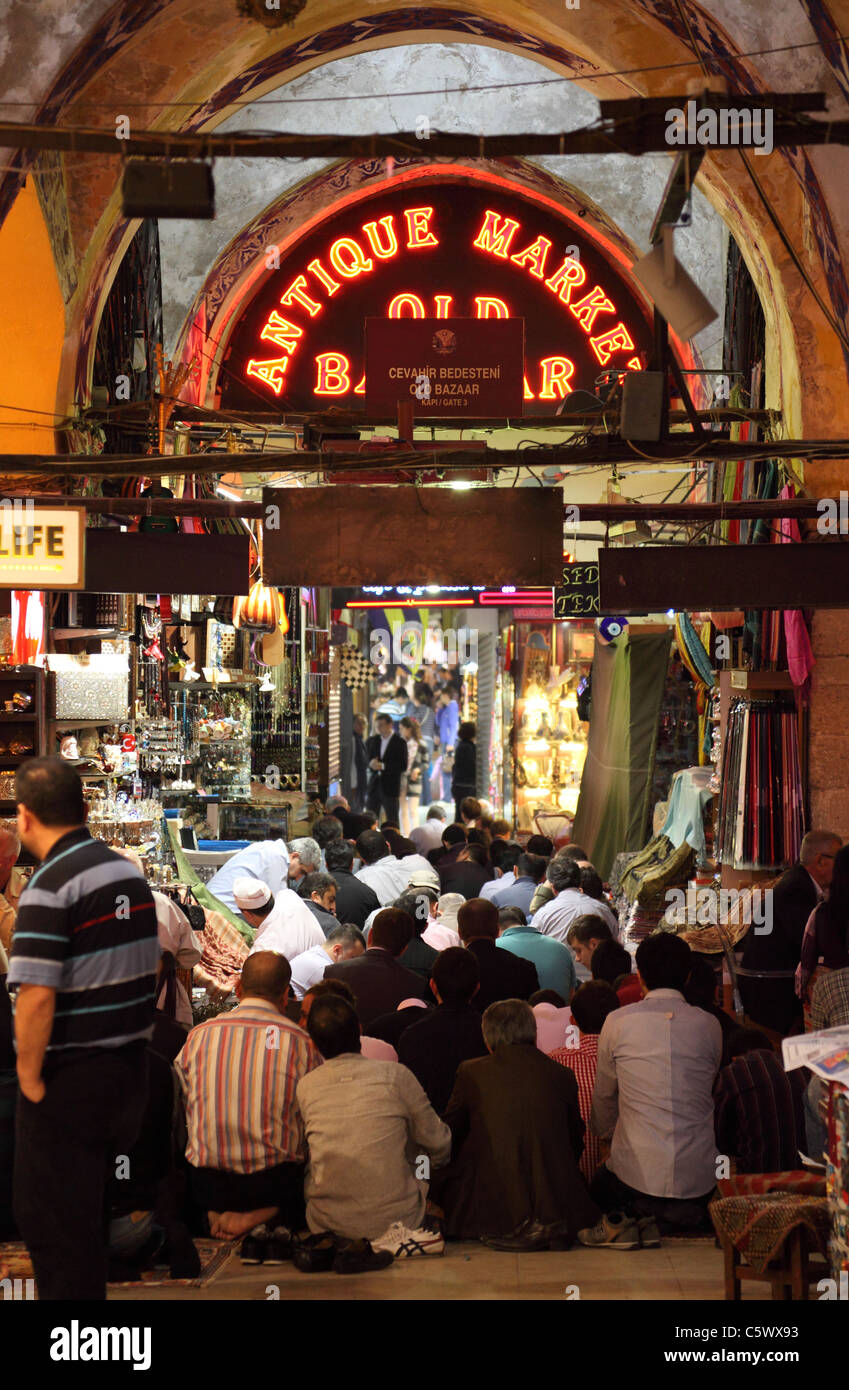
(41, 547)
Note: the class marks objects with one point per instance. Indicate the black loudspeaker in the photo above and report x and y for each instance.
(642, 406)
(180, 188)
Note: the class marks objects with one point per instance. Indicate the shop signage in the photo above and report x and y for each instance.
(41, 547)
(134, 562)
(341, 536)
(468, 369)
(439, 248)
(650, 579)
(576, 596)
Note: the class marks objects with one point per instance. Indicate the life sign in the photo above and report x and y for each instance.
(434, 249)
(465, 369)
(577, 595)
(41, 547)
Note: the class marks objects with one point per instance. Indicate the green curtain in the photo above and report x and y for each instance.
(613, 808)
(186, 874)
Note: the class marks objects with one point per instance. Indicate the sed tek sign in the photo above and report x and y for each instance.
(466, 367)
(576, 596)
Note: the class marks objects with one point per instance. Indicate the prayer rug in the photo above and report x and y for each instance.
(213, 1255)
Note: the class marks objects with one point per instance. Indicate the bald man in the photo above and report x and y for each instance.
(10, 848)
(246, 1165)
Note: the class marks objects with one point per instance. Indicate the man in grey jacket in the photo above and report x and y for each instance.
(372, 1137)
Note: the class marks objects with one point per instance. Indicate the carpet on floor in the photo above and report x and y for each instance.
(213, 1255)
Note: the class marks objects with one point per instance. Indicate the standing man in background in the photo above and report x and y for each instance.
(357, 780)
(387, 753)
(447, 724)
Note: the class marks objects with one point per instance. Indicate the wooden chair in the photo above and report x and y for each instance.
(790, 1276)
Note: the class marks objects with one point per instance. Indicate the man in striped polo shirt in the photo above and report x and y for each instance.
(83, 972)
(239, 1072)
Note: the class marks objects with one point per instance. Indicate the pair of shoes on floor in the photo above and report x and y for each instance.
(262, 1246)
(616, 1231)
(318, 1254)
(405, 1242)
(533, 1235)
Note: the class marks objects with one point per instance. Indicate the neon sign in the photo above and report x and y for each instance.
(460, 250)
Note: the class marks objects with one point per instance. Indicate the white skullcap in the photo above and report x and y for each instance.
(251, 893)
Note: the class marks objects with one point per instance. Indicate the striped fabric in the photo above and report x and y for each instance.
(758, 1113)
(583, 1061)
(830, 1000)
(239, 1072)
(86, 927)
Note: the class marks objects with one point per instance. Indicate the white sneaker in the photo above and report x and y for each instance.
(405, 1243)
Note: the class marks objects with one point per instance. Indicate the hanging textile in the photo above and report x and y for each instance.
(800, 656)
(693, 653)
(613, 812)
(761, 801)
(28, 627)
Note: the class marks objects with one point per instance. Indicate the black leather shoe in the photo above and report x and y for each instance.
(280, 1247)
(315, 1254)
(532, 1235)
(358, 1257)
(252, 1249)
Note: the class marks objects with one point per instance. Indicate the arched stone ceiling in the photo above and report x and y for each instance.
(628, 190)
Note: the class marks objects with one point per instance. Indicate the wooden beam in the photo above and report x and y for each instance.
(638, 133)
(687, 512)
(139, 412)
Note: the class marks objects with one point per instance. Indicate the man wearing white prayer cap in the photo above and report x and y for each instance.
(284, 923)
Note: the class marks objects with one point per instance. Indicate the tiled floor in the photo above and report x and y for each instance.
(682, 1270)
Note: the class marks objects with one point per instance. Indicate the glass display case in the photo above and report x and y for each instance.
(551, 660)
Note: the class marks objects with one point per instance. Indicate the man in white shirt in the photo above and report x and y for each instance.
(267, 860)
(284, 923)
(504, 856)
(429, 836)
(653, 1099)
(341, 943)
(387, 876)
(555, 918)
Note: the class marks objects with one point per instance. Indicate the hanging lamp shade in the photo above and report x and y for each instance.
(260, 610)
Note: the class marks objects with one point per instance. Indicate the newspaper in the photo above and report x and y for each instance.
(825, 1053)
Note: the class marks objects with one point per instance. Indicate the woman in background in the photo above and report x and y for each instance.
(412, 779)
(464, 778)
